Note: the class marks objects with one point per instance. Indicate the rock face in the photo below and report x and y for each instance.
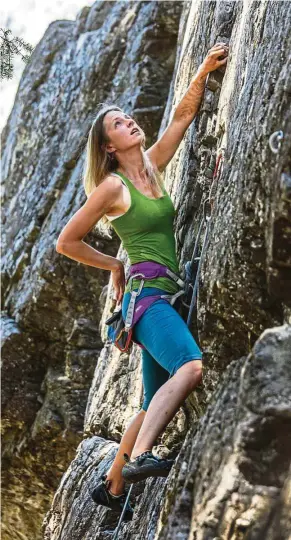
(62, 412)
(120, 52)
(231, 479)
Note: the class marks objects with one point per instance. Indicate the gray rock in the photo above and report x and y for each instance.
(232, 475)
(231, 439)
(120, 52)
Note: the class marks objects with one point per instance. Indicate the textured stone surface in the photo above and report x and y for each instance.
(231, 479)
(248, 243)
(120, 52)
(231, 476)
(74, 515)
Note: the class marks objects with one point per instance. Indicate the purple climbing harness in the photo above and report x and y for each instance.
(136, 307)
(120, 331)
(152, 269)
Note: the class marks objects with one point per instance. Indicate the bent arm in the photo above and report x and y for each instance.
(82, 252)
(70, 242)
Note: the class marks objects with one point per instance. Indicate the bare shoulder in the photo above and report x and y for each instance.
(111, 181)
(109, 188)
(107, 195)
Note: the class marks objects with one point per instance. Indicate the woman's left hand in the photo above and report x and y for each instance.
(212, 61)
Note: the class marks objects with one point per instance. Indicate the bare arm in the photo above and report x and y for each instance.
(70, 242)
(82, 252)
(191, 101)
(189, 105)
(164, 149)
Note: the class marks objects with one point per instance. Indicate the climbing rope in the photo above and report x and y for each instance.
(190, 265)
(216, 175)
(122, 514)
(201, 258)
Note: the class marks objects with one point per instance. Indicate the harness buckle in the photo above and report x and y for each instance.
(175, 277)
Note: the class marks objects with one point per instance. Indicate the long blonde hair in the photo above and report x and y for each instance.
(98, 163)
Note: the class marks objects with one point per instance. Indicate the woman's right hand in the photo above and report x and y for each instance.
(216, 57)
(118, 280)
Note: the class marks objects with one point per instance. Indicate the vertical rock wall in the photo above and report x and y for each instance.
(231, 478)
(120, 52)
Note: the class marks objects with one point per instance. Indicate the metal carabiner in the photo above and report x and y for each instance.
(205, 216)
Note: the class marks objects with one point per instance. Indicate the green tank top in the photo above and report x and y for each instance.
(147, 234)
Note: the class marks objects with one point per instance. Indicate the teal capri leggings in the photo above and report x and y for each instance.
(168, 341)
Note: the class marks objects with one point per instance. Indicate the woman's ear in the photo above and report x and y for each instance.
(107, 147)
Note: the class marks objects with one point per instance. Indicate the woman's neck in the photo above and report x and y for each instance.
(135, 175)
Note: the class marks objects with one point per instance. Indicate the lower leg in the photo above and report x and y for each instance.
(165, 404)
(126, 445)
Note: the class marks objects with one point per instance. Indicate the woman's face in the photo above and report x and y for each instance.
(122, 131)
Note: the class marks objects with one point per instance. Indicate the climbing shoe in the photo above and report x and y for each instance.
(101, 495)
(145, 465)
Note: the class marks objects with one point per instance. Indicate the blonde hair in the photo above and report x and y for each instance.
(98, 163)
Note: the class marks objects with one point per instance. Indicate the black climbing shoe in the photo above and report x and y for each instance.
(101, 495)
(145, 465)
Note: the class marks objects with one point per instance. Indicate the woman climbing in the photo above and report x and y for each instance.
(123, 185)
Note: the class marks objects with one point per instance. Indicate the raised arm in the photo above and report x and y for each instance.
(164, 149)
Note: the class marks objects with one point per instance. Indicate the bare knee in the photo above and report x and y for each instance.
(198, 371)
(193, 371)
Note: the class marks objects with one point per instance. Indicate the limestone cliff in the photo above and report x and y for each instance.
(67, 393)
